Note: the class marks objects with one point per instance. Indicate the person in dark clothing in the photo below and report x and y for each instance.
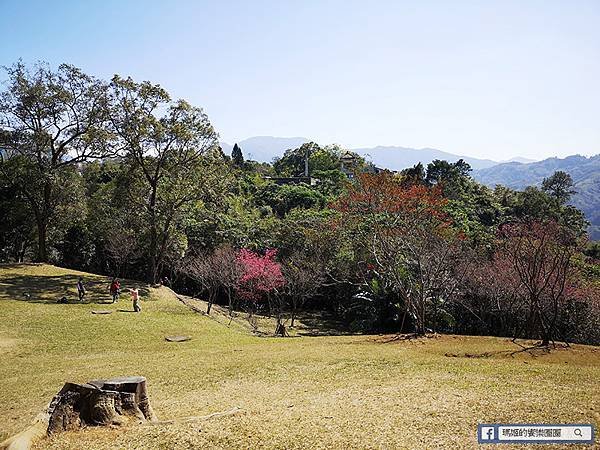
(81, 289)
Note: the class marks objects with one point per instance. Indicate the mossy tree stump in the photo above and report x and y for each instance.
(117, 401)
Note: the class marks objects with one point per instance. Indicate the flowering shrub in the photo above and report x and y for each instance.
(261, 274)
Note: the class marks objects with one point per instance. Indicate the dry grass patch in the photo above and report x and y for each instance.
(317, 392)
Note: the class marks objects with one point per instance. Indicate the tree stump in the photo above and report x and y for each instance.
(117, 401)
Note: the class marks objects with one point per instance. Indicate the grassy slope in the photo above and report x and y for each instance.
(345, 391)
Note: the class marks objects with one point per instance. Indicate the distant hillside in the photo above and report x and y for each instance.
(398, 158)
(585, 173)
(265, 148)
(519, 160)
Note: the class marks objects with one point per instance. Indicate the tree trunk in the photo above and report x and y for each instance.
(153, 235)
(42, 253)
(210, 303)
(295, 302)
(100, 402)
(403, 320)
(42, 223)
(280, 329)
(419, 315)
(153, 275)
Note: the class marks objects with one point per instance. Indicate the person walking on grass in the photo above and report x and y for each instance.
(115, 289)
(81, 289)
(135, 297)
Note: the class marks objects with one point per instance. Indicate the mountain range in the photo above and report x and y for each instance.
(265, 148)
(516, 173)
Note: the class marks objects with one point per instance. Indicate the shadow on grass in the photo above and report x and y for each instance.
(51, 288)
(13, 266)
(534, 351)
(409, 337)
(320, 324)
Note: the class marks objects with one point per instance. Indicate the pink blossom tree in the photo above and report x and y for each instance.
(261, 278)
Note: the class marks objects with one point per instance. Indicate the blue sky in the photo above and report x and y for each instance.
(481, 78)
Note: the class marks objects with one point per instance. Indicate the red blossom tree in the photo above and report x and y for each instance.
(412, 245)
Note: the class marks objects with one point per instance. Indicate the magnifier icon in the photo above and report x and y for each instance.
(577, 432)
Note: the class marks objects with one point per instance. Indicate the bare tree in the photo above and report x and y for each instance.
(215, 271)
(304, 275)
(540, 257)
(122, 248)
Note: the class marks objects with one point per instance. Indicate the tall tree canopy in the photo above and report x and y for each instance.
(173, 145)
(51, 121)
(237, 155)
(560, 186)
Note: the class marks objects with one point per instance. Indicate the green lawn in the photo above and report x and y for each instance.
(299, 392)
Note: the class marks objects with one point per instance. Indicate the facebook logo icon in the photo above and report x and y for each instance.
(545, 433)
(487, 434)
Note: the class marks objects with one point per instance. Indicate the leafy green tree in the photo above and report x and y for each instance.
(476, 213)
(246, 225)
(559, 186)
(452, 176)
(76, 248)
(283, 199)
(51, 120)
(324, 164)
(176, 155)
(292, 163)
(415, 174)
(17, 228)
(535, 204)
(320, 159)
(115, 216)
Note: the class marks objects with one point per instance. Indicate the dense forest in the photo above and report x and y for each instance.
(117, 178)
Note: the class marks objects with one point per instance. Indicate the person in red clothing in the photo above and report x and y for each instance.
(115, 289)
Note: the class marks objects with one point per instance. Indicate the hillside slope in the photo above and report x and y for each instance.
(398, 158)
(318, 392)
(584, 170)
